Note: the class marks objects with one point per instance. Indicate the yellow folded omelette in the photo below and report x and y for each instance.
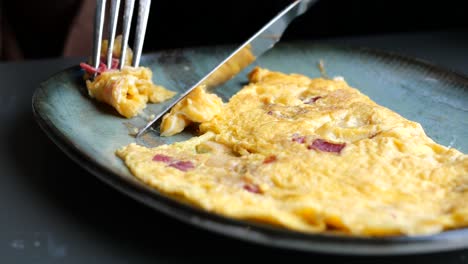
(311, 155)
(127, 90)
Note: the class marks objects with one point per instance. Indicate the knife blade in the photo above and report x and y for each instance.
(243, 56)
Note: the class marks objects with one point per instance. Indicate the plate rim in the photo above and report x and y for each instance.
(257, 233)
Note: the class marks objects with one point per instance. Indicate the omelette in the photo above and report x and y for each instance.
(200, 106)
(310, 155)
(127, 90)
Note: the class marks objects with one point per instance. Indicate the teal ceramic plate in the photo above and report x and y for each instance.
(90, 132)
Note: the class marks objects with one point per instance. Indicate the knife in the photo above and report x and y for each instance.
(243, 56)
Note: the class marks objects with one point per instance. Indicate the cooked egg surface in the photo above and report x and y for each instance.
(312, 155)
(199, 106)
(127, 90)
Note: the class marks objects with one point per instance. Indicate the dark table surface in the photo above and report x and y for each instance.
(53, 211)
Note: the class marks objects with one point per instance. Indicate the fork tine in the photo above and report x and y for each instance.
(143, 13)
(127, 20)
(114, 13)
(98, 27)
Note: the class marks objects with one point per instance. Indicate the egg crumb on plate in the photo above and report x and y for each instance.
(311, 155)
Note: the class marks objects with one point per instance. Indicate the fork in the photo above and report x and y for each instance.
(142, 21)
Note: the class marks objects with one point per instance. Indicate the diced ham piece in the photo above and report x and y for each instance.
(312, 100)
(270, 159)
(162, 158)
(182, 165)
(88, 68)
(299, 139)
(322, 145)
(91, 70)
(115, 64)
(178, 164)
(102, 66)
(253, 188)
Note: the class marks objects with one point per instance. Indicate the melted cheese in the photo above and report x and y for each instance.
(312, 155)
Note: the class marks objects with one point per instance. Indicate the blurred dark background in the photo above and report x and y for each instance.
(49, 28)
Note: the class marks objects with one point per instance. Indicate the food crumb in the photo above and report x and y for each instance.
(151, 117)
(134, 131)
(338, 78)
